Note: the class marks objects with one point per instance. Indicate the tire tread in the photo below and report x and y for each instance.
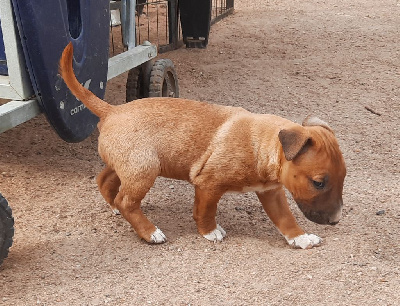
(7, 221)
(159, 73)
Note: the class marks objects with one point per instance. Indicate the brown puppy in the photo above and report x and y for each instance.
(218, 149)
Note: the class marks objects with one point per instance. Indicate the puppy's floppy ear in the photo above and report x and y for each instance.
(314, 121)
(293, 140)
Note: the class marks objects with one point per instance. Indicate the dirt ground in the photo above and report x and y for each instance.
(335, 59)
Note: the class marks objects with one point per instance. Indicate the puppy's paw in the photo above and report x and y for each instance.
(116, 211)
(216, 235)
(305, 241)
(158, 237)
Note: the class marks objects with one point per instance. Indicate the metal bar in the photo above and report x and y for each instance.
(128, 22)
(130, 59)
(14, 113)
(173, 22)
(222, 16)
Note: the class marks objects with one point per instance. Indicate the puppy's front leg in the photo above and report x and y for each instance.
(204, 211)
(276, 206)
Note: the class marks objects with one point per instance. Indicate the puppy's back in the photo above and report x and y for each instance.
(179, 130)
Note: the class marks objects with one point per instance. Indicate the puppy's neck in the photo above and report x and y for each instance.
(269, 166)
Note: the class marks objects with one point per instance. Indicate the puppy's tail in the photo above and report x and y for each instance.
(96, 105)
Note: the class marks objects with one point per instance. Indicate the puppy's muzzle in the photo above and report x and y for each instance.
(322, 217)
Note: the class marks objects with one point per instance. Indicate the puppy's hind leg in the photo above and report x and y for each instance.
(109, 183)
(204, 211)
(128, 202)
(136, 181)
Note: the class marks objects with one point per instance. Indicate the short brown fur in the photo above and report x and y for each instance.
(216, 148)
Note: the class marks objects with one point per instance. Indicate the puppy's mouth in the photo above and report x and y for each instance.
(319, 217)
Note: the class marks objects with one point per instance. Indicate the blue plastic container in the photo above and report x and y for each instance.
(45, 28)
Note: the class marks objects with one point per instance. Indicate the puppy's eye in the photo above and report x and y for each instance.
(318, 185)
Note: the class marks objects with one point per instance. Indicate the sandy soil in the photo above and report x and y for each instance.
(292, 58)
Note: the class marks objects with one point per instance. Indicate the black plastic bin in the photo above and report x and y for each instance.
(195, 21)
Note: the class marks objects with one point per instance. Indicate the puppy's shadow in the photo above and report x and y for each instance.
(169, 204)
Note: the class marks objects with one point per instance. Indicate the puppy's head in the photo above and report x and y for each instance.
(313, 170)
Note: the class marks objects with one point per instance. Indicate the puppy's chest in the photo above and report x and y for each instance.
(260, 187)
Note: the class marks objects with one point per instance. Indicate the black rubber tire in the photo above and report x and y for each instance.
(163, 80)
(6, 228)
(134, 84)
(137, 83)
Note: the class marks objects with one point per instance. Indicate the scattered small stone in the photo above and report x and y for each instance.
(380, 212)
(372, 111)
(171, 186)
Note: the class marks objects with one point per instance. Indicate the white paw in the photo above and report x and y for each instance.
(216, 235)
(306, 241)
(116, 211)
(158, 236)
